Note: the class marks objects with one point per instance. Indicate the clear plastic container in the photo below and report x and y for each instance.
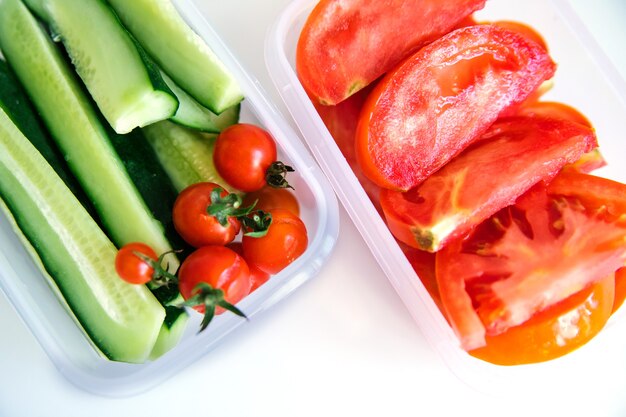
(584, 79)
(65, 343)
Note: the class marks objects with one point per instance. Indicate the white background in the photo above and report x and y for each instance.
(341, 345)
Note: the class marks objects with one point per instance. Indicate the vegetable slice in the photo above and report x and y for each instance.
(345, 45)
(74, 250)
(512, 156)
(522, 260)
(123, 81)
(441, 99)
(180, 52)
(76, 128)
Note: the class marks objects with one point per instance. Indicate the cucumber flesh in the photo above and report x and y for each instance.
(16, 105)
(194, 115)
(124, 83)
(185, 154)
(173, 329)
(74, 124)
(180, 52)
(122, 320)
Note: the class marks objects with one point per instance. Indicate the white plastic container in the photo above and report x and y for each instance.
(584, 80)
(65, 343)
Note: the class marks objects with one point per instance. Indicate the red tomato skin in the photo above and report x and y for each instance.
(524, 259)
(218, 266)
(193, 223)
(620, 288)
(341, 121)
(257, 276)
(435, 104)
(130, 267)
(285, 241)
(512, 156)
(345, 45)
(243, 153)
(555, 331)
(270, 198)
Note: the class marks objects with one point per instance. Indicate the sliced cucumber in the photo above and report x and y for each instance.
(194, 115)
(121, 319)
(172, 331)
(124, 83)
(180, 52)
(185, 154)
(74, 124)
(15, 103)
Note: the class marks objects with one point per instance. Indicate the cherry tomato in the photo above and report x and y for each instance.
(129, 265)
(555, 331)
(285, 241)
(257, 276)
(221, 271)
(269, 198)
(243, 153)
(193, 222)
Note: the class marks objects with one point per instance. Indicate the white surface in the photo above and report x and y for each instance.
(341, 345)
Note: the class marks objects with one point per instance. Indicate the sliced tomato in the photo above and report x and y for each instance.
(555, 331)
(512, 156)
(522, 260)
(605, 196)
(423, 264)
(345, 45)
(523, 29)
(620, 288)
(441, 99)
(341, 121)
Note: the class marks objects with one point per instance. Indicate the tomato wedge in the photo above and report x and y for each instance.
(441, 99)
(512, 156)
(555, 331)
(522, 260)
(345, 45)
(341, 121)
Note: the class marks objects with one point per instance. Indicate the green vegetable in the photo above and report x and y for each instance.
(180, 52)
(125, 84)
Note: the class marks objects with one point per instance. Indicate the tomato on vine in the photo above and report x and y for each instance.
(206, 214)
(269, 198)
(213, 279)
(284, 241)
(131, 264)
(245, 156)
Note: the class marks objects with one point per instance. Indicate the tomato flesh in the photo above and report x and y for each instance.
(345, 45)
(522, 260)
(512, 156)
(555, 331)
(441, 99)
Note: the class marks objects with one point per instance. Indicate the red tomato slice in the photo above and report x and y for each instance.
(555, 331)
(345, 45)
(443, 98)
(605, 196)
(523, 29)
(512, 156)
(341, 121)
(620, 288)
(522, 260)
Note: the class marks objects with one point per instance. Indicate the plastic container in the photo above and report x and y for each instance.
(584, 80)
(63, 340)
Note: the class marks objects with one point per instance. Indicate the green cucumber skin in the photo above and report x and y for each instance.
(194, 115)
(122, 320)
(123, 81)
(185, 154)
(74, 124)
(15, 103)
(180, 52)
